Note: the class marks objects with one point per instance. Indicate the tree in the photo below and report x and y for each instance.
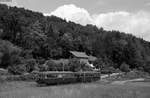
(9, 54)
(53, 37)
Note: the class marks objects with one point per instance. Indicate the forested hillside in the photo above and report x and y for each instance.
(27, 36)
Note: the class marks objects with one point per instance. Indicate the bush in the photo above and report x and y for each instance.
(24, 77)
(1, 80)
(108, 70)
(42, 67)
(124, 67)
(75, 65)
(52, 66)
(85, 67)
(99, 63)
(17, 69)
(147, 67)
(30, 65)
(61, 67)
(40, 60)
(26, 66)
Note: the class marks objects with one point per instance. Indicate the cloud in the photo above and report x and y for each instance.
(73, 13)
(147, 4)
(9, 2)
(136, 23)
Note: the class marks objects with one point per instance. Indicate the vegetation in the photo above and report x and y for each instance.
(135, 74)
(76, 65)
(28, 39)
(89, 90)
(124, 67)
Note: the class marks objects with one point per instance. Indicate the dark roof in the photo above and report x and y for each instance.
(79, 54)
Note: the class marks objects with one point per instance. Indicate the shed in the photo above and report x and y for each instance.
(82, 56)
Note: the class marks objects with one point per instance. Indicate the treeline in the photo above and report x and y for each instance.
(27, 36)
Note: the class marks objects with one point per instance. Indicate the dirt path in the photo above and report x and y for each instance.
(105, 76)
(126, 81)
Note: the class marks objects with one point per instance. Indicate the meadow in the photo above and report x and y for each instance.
(20, 89)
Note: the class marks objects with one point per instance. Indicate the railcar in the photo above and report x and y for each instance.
(66, 77)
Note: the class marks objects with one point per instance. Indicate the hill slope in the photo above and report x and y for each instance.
(30, 35)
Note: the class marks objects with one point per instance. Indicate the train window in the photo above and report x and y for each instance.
(60, 76)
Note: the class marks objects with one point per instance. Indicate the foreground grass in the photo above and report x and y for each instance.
(89, 90)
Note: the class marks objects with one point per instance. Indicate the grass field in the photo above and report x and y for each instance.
(89, 90)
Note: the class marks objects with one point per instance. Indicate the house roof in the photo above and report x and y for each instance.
(79, 54)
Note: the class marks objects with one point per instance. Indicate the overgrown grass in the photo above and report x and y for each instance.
(2, 79)
(89, 90)
(20, 89)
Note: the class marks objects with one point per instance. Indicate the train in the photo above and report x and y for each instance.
(66, 77)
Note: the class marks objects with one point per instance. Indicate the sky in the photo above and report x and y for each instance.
(130, 16)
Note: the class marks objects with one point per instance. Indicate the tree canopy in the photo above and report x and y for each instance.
(36, 36)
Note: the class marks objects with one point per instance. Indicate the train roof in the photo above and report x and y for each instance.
(64, 72)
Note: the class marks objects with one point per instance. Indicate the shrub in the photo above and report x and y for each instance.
(99, 63)
(108, 70)
(17, 69)
(42, 67)
(74, 65)
(124, 67)
(2, 80)
(60, 67)
(24, 77)
(30, 65)
(40, 60)
(24, 67)
(85, 67)
(52, 66)
(147, 67)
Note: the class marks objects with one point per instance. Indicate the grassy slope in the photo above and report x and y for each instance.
(92, 90)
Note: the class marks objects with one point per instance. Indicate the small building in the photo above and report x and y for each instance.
(82, 56)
